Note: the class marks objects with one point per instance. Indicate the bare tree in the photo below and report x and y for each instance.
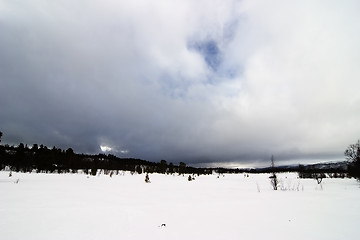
(352, 153)
(274, 181)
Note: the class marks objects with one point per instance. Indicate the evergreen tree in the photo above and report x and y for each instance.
(138, 169)
(162, 166)
(171, 168)
(182, 168)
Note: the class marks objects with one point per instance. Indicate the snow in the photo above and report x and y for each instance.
(77, 206)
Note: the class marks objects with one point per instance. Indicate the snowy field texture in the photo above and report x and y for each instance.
(77, 206)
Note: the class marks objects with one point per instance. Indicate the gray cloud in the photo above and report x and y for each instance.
(194, 81)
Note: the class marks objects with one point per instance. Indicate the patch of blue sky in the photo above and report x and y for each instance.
(210, 52)
(214, 53)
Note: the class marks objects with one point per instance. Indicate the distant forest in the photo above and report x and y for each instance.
(40, 158)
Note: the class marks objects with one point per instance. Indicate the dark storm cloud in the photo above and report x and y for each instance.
(200, 82)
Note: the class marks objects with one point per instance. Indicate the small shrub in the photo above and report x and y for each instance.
(147, 178)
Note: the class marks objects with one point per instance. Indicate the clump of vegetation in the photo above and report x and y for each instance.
(191, 178)
(147, 178)
(319, 177)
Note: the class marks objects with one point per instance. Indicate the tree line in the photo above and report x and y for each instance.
(40, 158)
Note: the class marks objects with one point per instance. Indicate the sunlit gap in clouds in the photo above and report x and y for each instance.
(105, 148)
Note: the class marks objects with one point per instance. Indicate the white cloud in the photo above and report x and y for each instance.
(286, 82)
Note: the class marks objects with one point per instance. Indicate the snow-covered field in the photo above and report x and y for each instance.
(77, 206)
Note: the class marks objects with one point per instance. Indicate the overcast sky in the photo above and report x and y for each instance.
(220, 81)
